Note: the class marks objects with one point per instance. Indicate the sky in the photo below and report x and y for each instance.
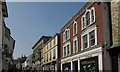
(28, 21)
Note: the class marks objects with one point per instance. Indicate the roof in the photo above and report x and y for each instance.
(73, 17)
(40, 40)
(51, 38)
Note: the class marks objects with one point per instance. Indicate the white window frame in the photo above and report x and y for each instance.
(65, 45)
(75, 23)
(86, 32)
(64, 35)
(85, 18)
(90, 17)
(91, 14)
(83, 21)
(74, 44)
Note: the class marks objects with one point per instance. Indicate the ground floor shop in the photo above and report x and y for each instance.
(50, 67)
(115, 56)
(88, 61)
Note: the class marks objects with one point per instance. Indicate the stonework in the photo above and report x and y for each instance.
(115, 14)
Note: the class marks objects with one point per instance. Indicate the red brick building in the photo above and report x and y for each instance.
(85, 37)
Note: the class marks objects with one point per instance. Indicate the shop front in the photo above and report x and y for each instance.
(89, 61)
(67, 67)
(89, 65)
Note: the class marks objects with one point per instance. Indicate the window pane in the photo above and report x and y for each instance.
(92, 38)
(64, 51)
(92, 12)
(85, 41)
(88, 18)
(83, 22)
(66, 35)
(75, 28)
(54, 52)
(75, 44)
(68, 50)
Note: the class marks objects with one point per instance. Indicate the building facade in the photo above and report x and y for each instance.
(84, 39)
(37, 55)
(7, 43)
(51, 54)
(114, 50)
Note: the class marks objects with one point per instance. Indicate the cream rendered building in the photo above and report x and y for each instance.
(51, 54)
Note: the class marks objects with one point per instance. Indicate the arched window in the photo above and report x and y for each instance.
(74, 28)
(88, 18)
(93, 14)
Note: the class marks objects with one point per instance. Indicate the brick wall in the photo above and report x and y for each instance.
(115, 12)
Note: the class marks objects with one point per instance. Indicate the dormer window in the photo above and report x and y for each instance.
(74, 28)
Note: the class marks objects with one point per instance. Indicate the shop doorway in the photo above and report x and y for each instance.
(75, 66)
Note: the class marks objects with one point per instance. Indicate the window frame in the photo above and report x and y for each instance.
(68, 43)
(75, 39)
(93, 14)
(86, 32)
(75, 23)
(64, 35)
(84, 16)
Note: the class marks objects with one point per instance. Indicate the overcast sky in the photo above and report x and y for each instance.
(29, 21)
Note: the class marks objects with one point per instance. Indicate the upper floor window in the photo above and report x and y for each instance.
(93, 14)
(50, 44)
(54, 41)
(88, 18)
(66, 50)
(47, 57)
(50, 56)
(83, 21)
(89, 37)
(54, 54)
(66, 35)
(47, 46)
(85, 41)
(44, 58)
(74, 28)
(92, 38)
(75, 45)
